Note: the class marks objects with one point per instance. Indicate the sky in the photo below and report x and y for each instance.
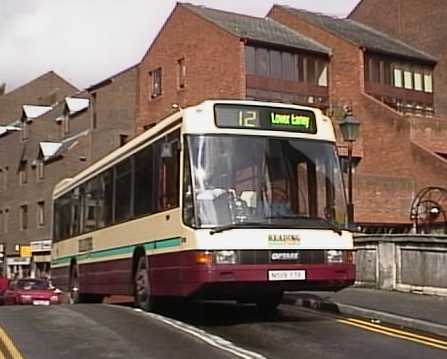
(86, 41)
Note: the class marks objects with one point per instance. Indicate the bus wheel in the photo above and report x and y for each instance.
(73, 294)
(142, 291)
(268, 305)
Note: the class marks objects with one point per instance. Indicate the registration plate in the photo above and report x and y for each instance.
(41, 302)
(287, 274)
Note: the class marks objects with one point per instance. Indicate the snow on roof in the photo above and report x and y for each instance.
(6, 129)
(33, 111)
(76, 104)
(49, 149)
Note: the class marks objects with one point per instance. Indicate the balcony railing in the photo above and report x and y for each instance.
(403, 100)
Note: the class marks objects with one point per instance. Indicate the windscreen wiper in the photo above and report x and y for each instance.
(230, 226)
(328, 223)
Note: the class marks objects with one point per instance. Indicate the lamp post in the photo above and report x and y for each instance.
(349, 127)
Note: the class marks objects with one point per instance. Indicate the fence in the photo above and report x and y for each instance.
(410, 263)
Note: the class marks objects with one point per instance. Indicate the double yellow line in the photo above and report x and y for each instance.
(7, 347)
(421, 339)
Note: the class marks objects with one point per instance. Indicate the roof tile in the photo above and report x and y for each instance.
(362, 35)
(258, 29)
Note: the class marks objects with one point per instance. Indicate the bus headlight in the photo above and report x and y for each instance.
(226, 257)
(334, 256)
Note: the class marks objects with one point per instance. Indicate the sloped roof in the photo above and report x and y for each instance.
(76, 104)
(257, 29)
(362, 35)
(33, 111)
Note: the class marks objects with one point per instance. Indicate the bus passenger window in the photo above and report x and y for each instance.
(168, 171)
(123, 192)
(144, 182)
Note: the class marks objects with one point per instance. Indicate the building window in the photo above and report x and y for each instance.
(374, 70)
(428, 83)
(66, 124)
(408, 80)
(23, 172)
(40, 169)
(1, 222)
(275, 64)
(262, 62)
(41, 213)
(24, 217)
(6, 220)
(397, 77)
(322, 74)
(123, 140)
(289, 66)
(418, 81)
(301, 66)
(5, 178)
(25, 131)
(155, 83)
(181, 73)
(286, 66)
(94, 117)
(250, 60)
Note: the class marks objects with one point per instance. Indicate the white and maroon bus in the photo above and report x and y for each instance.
(237, 200)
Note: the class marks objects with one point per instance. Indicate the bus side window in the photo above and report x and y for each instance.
(168, 171)
(144, 182)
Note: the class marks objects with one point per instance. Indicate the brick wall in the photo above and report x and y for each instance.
(214, 62)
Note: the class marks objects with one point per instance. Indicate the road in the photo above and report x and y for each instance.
(210, 330)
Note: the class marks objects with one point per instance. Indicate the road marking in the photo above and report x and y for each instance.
(9, 345)
(397, 331)
(206, 337)
(436, 343)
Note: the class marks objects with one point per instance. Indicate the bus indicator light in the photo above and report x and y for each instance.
(204, 257)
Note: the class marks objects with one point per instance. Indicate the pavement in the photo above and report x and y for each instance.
(427, 313)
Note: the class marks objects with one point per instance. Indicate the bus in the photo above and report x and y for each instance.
(226, 200)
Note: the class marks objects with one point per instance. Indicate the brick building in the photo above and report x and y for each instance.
(45, 144)
(420, 23)
(301, 57)
(201, 53)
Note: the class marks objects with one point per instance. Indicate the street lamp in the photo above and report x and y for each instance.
(350, 130)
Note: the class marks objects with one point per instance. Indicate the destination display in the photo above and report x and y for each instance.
(265, 118)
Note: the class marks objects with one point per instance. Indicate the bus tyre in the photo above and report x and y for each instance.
(142, 291)
(269, 304)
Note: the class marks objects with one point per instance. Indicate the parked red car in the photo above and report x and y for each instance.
(31, 291)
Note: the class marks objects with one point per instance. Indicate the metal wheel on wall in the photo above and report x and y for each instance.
(428, 210)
